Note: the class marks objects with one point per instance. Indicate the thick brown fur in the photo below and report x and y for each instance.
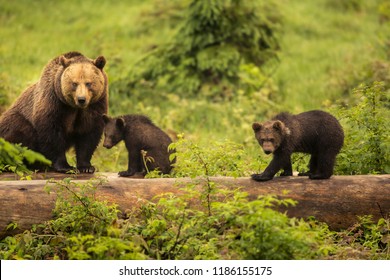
(314, 132)
(139, 134)
(63, 109)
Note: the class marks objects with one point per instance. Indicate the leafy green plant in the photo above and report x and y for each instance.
(216, 158)
(18, 159)
(367, 141)
(84, 228)
(364, 240)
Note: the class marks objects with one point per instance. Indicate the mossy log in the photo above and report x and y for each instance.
(337, 201)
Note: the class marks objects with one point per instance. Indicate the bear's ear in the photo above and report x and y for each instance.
(120, 123)
(106, 118)
(256, 126)
(278, 125)
(100, 62)
(64, 61)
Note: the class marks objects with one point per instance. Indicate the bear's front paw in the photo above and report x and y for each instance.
(86, 169)
(63, 168)
(261, 177)
(126, 173)
(319, 176)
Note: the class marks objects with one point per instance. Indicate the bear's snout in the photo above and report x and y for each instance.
(268, 147)
(107, 145)
(81, 100)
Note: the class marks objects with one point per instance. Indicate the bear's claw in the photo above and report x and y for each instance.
(260, 177)
(86, 169)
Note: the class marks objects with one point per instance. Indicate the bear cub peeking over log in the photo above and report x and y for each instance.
(140, 135)
(314, 132)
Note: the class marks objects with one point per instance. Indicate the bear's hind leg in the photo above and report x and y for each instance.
(61, 164)
(134, 165)
(324, 165)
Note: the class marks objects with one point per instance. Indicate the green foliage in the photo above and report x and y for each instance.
(77, 209)
(83, 228)
(215, 159)
(215, 38)
(384, 11)
(363, 240)
(3, 92)
(171, 228)
(367, 142)
(17, 159)
(347, 5)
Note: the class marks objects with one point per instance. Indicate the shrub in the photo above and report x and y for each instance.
(215, 38)
(16, 158)
(367, 137)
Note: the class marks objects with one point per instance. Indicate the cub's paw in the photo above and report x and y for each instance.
(319, 176)
(64, 168)
(86, 169)
(261, 177)
(126, 173)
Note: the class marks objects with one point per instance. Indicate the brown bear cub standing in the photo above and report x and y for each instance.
(63, 109)
(315, 132)
(139, 134)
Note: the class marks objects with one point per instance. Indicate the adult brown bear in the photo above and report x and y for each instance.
(315, 132)
(63, 109)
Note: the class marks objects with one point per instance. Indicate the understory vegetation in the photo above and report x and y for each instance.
(204, 71)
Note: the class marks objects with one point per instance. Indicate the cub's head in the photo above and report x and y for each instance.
(270, 134)
(113, 131)
(83, 82)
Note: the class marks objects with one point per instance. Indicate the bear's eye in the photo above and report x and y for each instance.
(88, 85)
(271, 140)
(74, 85)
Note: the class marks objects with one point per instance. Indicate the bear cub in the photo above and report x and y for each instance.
(314, 132)
(140, 134)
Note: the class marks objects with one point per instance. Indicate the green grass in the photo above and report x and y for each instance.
(324, 50)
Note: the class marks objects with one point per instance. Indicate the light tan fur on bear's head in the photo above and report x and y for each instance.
(270, 134)
(82, 82)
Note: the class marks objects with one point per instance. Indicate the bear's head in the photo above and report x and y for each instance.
(113, 131)
(83, 82)
(270, 134)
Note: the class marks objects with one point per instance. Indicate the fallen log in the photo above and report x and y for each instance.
(337, 201)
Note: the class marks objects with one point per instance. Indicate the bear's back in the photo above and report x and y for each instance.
(144, 130)
(313, 129)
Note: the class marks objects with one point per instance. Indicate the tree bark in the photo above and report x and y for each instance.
(337, 201)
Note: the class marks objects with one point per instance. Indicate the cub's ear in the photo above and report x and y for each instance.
(100, 62)
(281, 127)
(106, 118)
(120, 122)
(256, 126)
(278, 125)
(64, 61)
